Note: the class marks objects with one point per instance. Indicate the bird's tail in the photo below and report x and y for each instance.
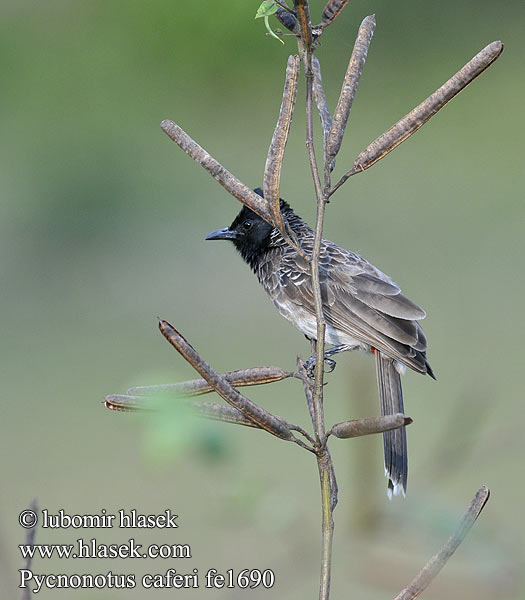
(395, 441)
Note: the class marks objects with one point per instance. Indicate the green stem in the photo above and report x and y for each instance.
(327, 527)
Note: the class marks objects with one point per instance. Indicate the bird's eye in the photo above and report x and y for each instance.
(247, 224)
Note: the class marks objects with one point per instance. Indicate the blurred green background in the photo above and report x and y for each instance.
(102, 220)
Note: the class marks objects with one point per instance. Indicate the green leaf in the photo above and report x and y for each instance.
(271, 32)
(267, 8)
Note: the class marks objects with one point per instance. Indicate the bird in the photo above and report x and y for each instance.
(363, 308)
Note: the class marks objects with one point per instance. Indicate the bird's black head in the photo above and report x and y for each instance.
(250, 234)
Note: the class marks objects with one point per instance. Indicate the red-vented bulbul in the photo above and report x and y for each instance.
(362, 306)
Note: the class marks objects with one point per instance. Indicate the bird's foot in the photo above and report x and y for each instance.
(309, 365)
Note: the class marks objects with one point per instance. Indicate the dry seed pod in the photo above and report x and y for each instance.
(332, 10)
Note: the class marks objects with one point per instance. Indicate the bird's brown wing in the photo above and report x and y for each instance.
(358, 300)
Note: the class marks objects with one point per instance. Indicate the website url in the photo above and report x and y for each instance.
(92, 549)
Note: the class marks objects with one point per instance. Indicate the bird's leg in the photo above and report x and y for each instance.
(309, 365)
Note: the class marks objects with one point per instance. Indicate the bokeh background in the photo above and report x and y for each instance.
(102, 220)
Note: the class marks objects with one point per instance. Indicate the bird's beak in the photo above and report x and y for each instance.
(222, 234)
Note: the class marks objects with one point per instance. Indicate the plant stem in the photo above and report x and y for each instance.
(324, 461)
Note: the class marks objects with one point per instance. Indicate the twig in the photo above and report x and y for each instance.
(324, 460)
(316, 286)
(284, 6)
(271, 423)
(314, 261)
(228, 181)
(309, 402)
(367, 426)
(349, 89)
(417, 117)
(320, 100)
(328, 493)
(302, 13)
(274, 160)
(307, 388)
(301, 8)
(29, 541)
(422, 580)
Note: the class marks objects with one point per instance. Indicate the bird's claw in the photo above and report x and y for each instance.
(331, 364)
(309, 365)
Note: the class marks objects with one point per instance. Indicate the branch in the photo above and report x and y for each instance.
(349, 89)
(307, 388)
(320, 100)
(328, 492)
(324, 460)
(301, 372)
(304, 21)
(367, 426)
(302, 12)
(228, 181)
(303, 16)
(271, 423)
(284, 6)
(422, 580)
(417, 117)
